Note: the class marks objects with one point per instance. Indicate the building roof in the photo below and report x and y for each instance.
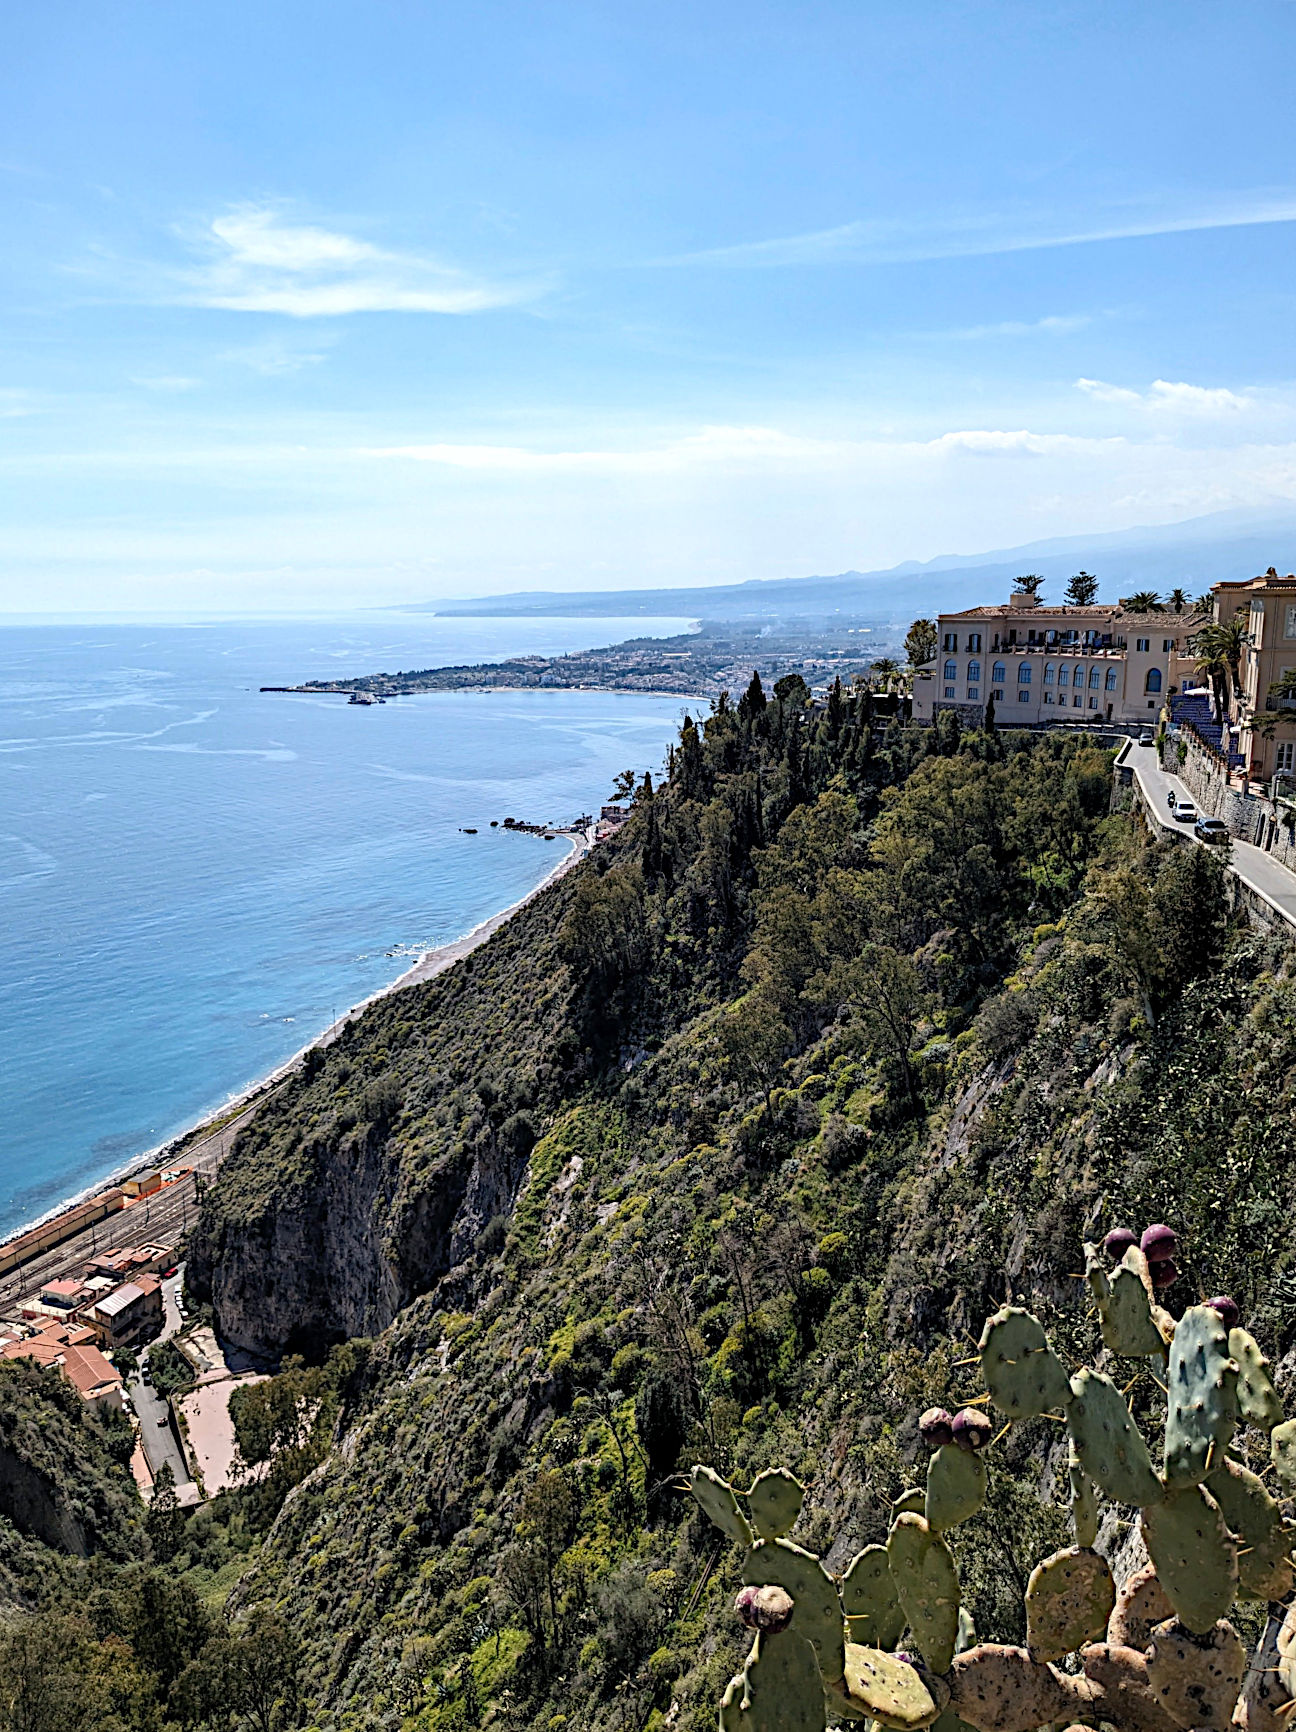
(87, 1368)
(62, 1289)
(121, 1298)
(1105, 615)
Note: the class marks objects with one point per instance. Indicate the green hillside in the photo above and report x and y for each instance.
(721, 1150)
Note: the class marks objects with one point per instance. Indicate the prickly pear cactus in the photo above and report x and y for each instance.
(956, 1487)
(1124, 1303)
(873, 1611)
(1264, 1554)
(1201, 1407)
(1084, 1500)
(922, 1567)
(1109, 1445)
(778, 1690)
(816, 1603)
(1196, 1677)
(1282, 1452)
(1023, 1374)
(717, 1500)
(1194, 1553)
(774, 1503)
(1069, 1599)
(892, 1691)
(1257, 1399)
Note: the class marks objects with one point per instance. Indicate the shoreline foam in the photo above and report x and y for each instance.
(426, 967)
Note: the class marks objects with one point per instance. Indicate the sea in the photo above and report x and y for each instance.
(197, 878)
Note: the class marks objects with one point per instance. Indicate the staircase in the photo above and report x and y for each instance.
(1195, 708)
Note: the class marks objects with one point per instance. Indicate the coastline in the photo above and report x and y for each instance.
(209, 1124)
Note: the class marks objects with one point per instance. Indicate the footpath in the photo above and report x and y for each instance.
(1264, 876)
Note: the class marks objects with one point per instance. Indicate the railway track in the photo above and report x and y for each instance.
(163, 1217)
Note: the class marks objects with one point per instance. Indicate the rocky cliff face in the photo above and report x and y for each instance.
(376, 1172)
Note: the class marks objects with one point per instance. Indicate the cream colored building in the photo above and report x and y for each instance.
(1046, 664)
(1266, 724)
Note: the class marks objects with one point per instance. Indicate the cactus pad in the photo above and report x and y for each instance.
(1141, 1604)
(774, 1503)
(870, 1601)
(717, 1500)
(1069, 1599)
(892, 1692)
(1124, 1302)
(1109, 1445)
(1264, 1556)
(956, 1487)
(778, 1690)
(816, 1606)
(1084, 1501)
(1000, 1689)
(1194, 1554)
(1257, 1398)
(1023, 1374)
(1201, 1407)
(1196, 1678)
(913, 1501)
(1282, 1451)
(922, 1568)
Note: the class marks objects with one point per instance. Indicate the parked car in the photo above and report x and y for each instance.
(1147, 738)
(1211, 830)
(1183, 811)
(164, 1419)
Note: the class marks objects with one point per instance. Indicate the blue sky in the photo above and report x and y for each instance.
(350, 302)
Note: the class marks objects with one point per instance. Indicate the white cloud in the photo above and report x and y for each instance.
(1175, 397)
(1053, 325)
(982, 233)
(168, 382)
(711, 445)
(256, 262)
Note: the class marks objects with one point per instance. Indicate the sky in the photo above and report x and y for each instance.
(354, 302)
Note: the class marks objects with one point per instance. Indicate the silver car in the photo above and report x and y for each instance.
(1184, 812)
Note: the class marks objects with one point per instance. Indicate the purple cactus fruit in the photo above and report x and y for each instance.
(936, 1427)
(907, 1659)
(768, 1608)
(1165, 1273)
(1227, 1308)
(972, 1429)
(1118, 1241)
(1159, 1243)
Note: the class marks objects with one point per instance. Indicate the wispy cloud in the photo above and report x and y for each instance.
(739, 447)
(1053, 325)
(1175, 397)
(255, 261)
(168, 382)
(981, 233)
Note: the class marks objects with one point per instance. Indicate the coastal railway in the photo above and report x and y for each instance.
(165, 1215)
(17, 1253)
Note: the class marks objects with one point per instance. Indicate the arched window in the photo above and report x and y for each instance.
(1023, 674)
(1153, 680)
(974, 672)
(1064, 675)
(1048, 673)
(1095, 678)
(1111, 679)
(951, 670)
(998, 674)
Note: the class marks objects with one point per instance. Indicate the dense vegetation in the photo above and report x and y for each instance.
(716, 1152)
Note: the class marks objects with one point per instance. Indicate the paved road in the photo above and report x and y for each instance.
(158, 1434)
(1260, 871)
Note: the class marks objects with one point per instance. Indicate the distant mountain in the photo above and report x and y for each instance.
(1191, 555)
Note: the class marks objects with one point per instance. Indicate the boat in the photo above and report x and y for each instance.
(469, 831)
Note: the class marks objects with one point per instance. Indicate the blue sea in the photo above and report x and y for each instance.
(196, 878)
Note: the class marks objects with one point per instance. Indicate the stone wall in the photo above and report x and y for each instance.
(1250, 817)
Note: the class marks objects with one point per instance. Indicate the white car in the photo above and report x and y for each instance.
(1184, 812)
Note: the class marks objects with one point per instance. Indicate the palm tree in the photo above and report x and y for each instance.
(1178, 599)
(1142, 601)
(885, 670)
(1220, 648)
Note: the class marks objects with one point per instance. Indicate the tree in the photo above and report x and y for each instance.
(1177, 600)
(46, 1676)
(1031, 584)
(989, 723)
(1082, 591)
(1142, 601)
(545, 1527)
(920, 642)
(624, 785)
(1220, 648)
(165, 1523)
(886, 670)
(792, 691)
(755, 1041)
(752, 703)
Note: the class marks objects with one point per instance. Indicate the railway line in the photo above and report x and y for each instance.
(165, 1216)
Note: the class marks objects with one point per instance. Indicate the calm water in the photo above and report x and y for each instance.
(195, 878)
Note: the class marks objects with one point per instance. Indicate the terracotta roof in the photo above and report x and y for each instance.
(87, 1368)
